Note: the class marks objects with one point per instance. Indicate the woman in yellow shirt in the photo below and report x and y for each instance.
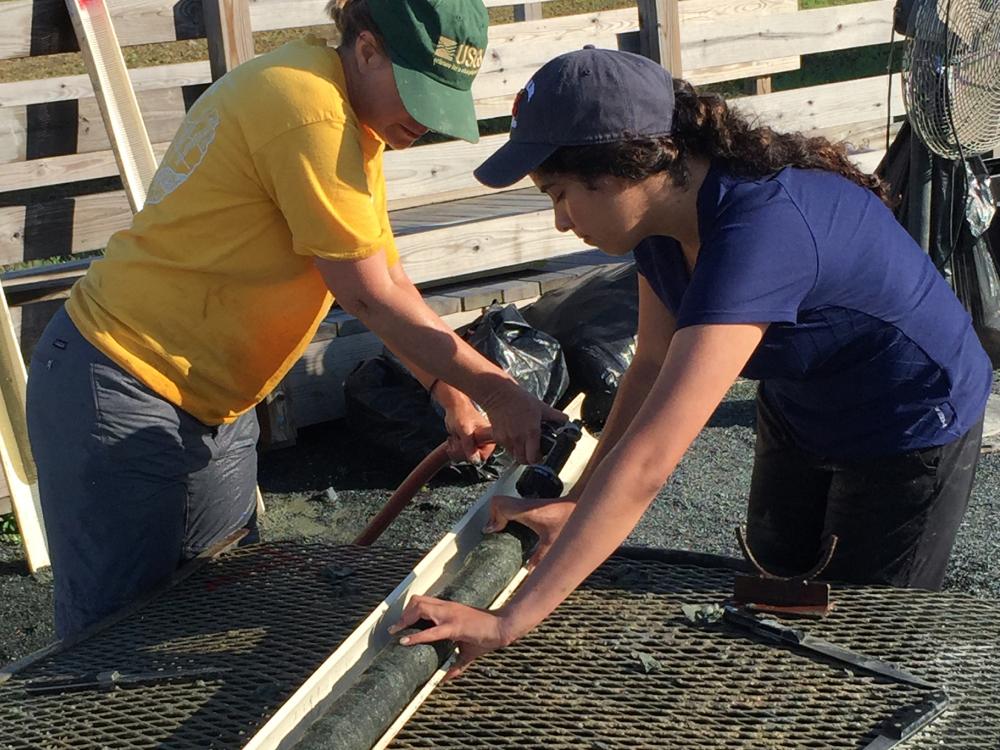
(269, 204)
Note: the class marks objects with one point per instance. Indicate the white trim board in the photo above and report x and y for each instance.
(346, 665)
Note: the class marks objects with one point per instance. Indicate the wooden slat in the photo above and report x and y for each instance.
(512, 59)
(660, 33)
(113, 90)
(163, 111)
(720, 10)
(718, 73)
(724, 11)
(707, 43)
(146, 21)
(830, 105)
(63, 88)
(515, 51)
(149, 21)
(229, 34)
(16, 459)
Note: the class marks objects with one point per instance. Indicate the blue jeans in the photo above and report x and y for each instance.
(130, 485)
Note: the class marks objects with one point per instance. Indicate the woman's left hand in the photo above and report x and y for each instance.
(463, 421)
(474, 631)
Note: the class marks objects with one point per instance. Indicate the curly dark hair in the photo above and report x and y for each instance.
(704, 125)
(351, 18)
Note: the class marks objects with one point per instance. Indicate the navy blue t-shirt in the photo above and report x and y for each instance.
(868, 351)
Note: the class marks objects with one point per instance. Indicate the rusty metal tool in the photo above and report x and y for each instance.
(113, 679)
(774, 631)
(909, 720)
(797, 594)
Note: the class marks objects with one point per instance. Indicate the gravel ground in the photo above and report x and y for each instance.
(329, 485)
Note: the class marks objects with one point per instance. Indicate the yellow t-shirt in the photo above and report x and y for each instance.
(212, 294)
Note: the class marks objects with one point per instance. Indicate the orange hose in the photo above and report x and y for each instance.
(436, 460)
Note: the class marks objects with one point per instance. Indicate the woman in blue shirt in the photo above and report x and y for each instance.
(760, 254)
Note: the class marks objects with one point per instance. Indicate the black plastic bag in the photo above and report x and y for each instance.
(533, 357)
(970, 263)
(393, 412)
(595, 319)
(977, 284)
(396, 416)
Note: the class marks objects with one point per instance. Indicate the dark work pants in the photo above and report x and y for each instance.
(130, 485)
(895, 517)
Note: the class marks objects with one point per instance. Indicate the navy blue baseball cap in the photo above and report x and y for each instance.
(582, 98)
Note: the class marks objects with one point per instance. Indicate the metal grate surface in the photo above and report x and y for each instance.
(268, 614)
(580, 679)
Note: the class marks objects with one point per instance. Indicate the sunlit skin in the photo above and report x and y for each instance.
(676, 380)
(387, 302)
(371, 88)
(615, 214)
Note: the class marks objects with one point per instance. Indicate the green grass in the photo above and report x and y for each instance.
(9, 533)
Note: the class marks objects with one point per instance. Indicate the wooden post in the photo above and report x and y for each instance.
(528, 12)
(660, 33)
(15, 452)
(113, 90)
(229, 34)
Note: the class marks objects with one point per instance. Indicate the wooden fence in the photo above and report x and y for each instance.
(56, 163)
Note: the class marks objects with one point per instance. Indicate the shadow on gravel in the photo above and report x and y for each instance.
(334, 454)
(14, 567)
(742, 413)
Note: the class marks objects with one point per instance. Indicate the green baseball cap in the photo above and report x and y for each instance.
(436, 47)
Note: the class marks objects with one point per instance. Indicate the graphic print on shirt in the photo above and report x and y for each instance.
(184, 155)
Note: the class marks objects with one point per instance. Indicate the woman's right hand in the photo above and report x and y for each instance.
(545, 516)
(516, 416)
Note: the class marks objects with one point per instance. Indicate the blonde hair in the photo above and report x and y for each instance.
(351, 18)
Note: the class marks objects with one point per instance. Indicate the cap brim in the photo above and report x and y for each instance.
(512, 162)
(436, 106)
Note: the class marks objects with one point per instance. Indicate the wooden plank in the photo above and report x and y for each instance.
(15, 451)
(147, 21)
(827, 106)
(831, 105)
(716, 73)
(515, 3)
(483, 246)
(721, 10)
(477, 296)
(512, 59)
(63, 88)
(113, 91)
(709, 43)
(13, 133)
(515, 52)
(660, 33)
(230, 38)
